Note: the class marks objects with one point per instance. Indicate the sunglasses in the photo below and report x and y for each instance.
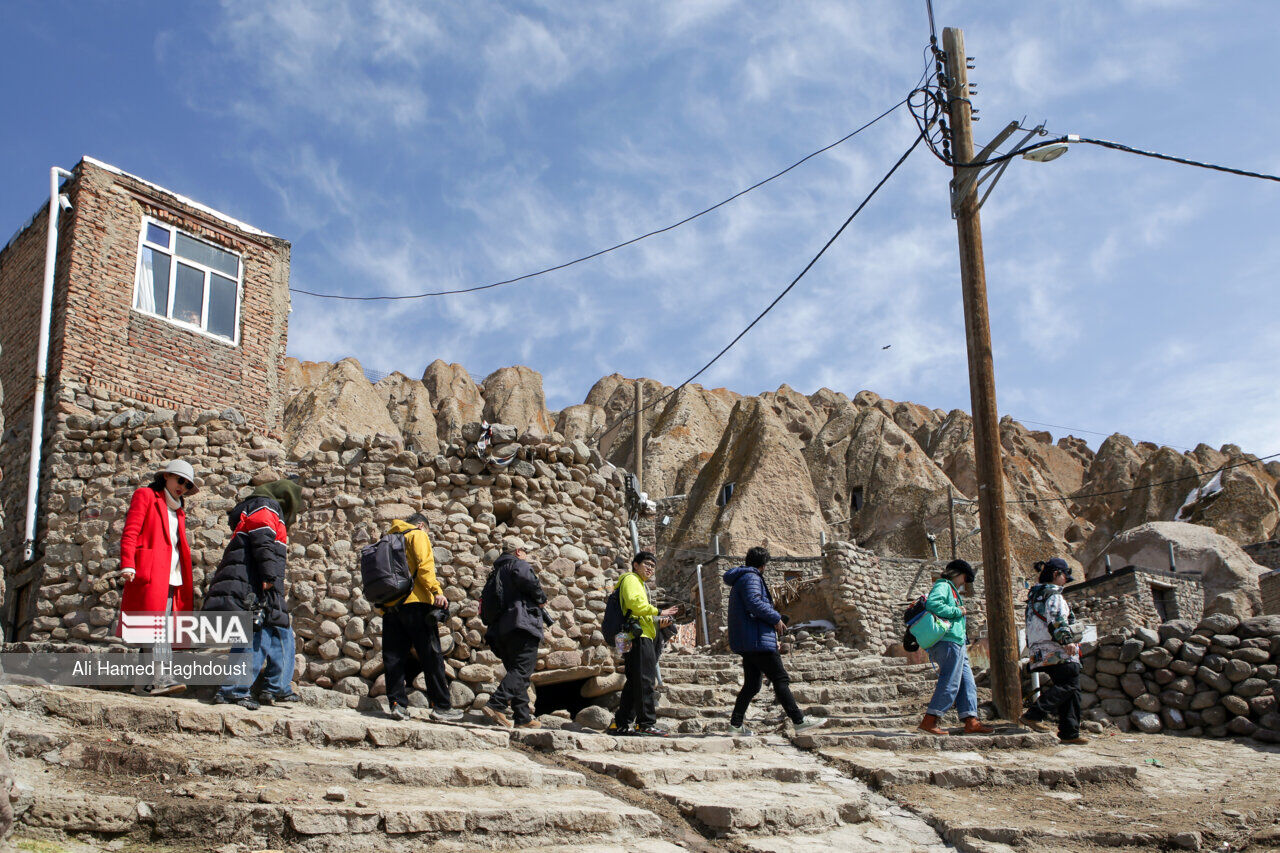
(185, 483)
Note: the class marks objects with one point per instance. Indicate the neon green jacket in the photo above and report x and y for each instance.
(634, 599)
(944, 601)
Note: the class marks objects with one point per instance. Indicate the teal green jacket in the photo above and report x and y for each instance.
(944, 601)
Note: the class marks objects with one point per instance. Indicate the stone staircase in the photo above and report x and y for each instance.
(191, 776)
(753, 793)
(854, 690)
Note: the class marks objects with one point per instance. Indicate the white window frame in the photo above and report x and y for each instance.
(174, 260)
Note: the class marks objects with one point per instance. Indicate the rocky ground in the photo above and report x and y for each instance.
(104, 770)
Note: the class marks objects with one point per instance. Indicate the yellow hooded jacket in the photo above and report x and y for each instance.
(634, 599)
(422, 562)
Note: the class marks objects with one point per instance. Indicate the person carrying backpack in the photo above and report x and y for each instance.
(251, 578)
(754, 626)
(412, 625)
(1054, 651)
(639, 701)
(516, 633)
(950, 655)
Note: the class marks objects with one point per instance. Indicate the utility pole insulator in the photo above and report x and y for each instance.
(1006, 680)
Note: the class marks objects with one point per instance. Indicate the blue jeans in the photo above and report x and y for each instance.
(273, 650)
(955, 681)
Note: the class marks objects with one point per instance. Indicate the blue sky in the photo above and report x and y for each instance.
(404, 146)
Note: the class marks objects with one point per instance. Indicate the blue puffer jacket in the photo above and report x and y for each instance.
(751, 612)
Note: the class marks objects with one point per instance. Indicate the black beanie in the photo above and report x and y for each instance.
(956, 567)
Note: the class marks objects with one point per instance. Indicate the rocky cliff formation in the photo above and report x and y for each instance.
(874, 470)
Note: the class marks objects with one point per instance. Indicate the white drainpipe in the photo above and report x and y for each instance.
(42, 363)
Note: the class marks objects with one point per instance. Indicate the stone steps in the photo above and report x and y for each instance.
(760, 792)
(816, 694)
(382, 817)
(167, 771)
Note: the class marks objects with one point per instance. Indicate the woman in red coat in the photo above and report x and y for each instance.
(155, 560)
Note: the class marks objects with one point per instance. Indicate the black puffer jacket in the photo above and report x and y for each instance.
(254, 557)
(522, 597)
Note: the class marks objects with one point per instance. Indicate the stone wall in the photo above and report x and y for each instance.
(1270, 586)
(1126, 598)
(563, 498)
(1265, 553)
(101, 348)
(1215, 678)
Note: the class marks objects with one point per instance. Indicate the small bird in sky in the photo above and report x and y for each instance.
(886, 346)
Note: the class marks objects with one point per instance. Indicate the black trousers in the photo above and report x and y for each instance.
(414, 627)
(639, 704)
(1062, 699)
(519, 653)
(769, 664)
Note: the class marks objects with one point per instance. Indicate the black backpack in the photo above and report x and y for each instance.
(614, 620)
(384, 570)
(909, 618)
(492, 599)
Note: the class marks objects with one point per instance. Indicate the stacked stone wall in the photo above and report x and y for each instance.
(563, 499)
(1215, 678)
(1124, 599)
(1265, 553)
(1270, 586)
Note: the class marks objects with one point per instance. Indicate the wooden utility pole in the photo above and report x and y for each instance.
(637, 437)
(951, 510)
(1006, 682)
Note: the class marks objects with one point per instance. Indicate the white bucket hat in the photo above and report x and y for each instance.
(184, 470)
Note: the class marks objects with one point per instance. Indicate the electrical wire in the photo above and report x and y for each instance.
(1145, 485)
(612, 248)
(623, 417)
(1116, 146)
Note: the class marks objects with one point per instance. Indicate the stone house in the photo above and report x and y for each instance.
(159, 302)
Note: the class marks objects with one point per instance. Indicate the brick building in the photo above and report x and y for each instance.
(159, 303)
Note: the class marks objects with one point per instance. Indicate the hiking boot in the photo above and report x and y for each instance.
(929, 725)
(810, 723)
(287, 698)
(496, 717)
(247, 702)
(446, 715)
(652, 731)
(1034, 725)
(266, 699)
(1079, 740)
(398, 712)
(974, 726)
(529, 724)
(740, 731)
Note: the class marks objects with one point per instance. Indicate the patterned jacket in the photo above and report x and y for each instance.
(1048, 626)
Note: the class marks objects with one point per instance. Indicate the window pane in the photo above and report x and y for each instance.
(153, 283)
(188, 295)
(157, 235)
(210, 256)
(222, 306)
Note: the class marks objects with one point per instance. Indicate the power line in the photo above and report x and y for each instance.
(1145, 485)
(623, 417)
(614, 247)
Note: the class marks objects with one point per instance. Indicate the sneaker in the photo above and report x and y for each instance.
(247, 702)
(219, 699)
(1034, 725)
(398, 712)
(740, 731)
(166, 689)
(810, 723)
(1078, 739)
(287, 698)
(652, 731)
(266, 699)
(625, 731)
(496, 717)
(446, 715)
(529, 724)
